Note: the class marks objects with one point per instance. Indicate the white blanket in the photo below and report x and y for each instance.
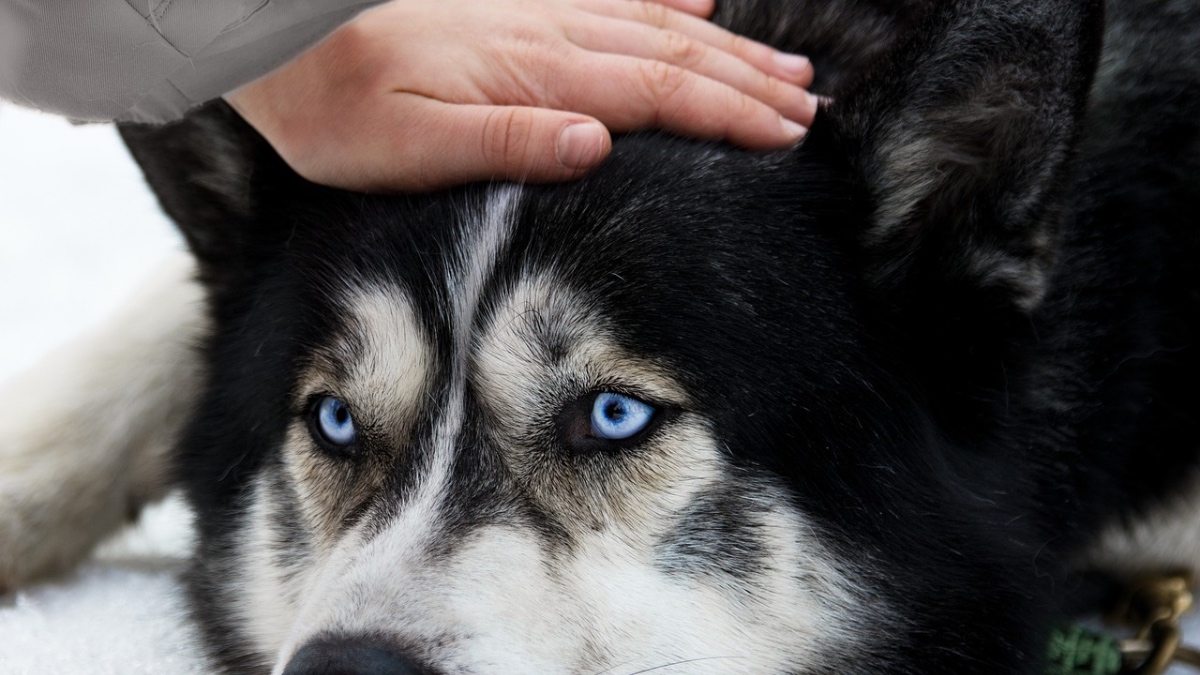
(78, 232)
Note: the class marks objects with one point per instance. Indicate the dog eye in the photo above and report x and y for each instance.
(617, 417)
(332, 423)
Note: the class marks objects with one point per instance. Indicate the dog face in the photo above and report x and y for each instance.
(670, 417)
(486, 458)
(537, 479)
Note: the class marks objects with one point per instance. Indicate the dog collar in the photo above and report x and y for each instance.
(1153, 605)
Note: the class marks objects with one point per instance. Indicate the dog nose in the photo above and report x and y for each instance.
(351, 656)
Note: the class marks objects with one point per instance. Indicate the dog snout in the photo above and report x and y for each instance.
(352, 656)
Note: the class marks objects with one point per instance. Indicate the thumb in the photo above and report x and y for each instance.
(536, 144)
(455, 144)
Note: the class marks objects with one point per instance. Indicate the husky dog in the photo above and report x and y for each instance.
(865, 406)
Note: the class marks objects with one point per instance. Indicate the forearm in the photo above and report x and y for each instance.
(99, 60)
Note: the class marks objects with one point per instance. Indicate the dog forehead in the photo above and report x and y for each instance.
(671, 276)
(507, 327)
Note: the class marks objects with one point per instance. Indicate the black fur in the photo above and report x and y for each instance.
(958, 322)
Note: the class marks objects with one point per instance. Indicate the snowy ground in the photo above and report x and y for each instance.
(78, 232)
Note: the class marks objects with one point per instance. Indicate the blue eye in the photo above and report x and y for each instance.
(333, 422)
(617, 417)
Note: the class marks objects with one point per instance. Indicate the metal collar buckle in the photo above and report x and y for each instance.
(1153, 605)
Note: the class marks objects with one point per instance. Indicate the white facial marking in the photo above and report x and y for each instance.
(265, 600)
(484, 240)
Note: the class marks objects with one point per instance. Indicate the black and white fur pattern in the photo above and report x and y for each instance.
(912, 376)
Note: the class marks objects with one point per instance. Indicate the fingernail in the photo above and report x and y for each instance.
(793, 64)
(581, 145)
(793, 130)
(814, 100)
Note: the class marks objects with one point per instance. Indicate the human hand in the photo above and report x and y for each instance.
(421, 94)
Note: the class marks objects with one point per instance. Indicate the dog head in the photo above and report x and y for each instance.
(703, 411)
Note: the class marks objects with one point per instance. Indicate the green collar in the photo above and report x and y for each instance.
(1078, 651)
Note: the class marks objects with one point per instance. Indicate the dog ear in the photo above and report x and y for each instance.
(961, 138)
(213, 175)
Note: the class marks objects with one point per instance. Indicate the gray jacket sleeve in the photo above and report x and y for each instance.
(150, 60)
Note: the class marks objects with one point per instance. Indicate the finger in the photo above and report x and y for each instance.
(701, 8)
(634, 39)
(642, 94)
(790, 67)
(448, 144)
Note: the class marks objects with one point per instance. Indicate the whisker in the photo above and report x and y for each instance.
(684, 662)
(613, 667)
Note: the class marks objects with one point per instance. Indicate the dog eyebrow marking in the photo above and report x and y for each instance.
(543, 339)
(382, 360)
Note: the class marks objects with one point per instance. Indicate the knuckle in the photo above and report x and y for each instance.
(506, 138)
(682, 50)
(772, 89)
(741, 112)
(744, 48)
(747, 108)
(655, 14)
(663, 79)
(737, 44)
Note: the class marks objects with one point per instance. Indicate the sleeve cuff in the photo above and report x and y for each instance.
(136, 61)
(253, 47)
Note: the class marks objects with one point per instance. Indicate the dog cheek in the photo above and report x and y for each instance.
(270, 564)
(717, 535)
(328, 491)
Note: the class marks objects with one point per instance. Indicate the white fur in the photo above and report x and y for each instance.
(1165, 537)
(85, 435)
(503, 607)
